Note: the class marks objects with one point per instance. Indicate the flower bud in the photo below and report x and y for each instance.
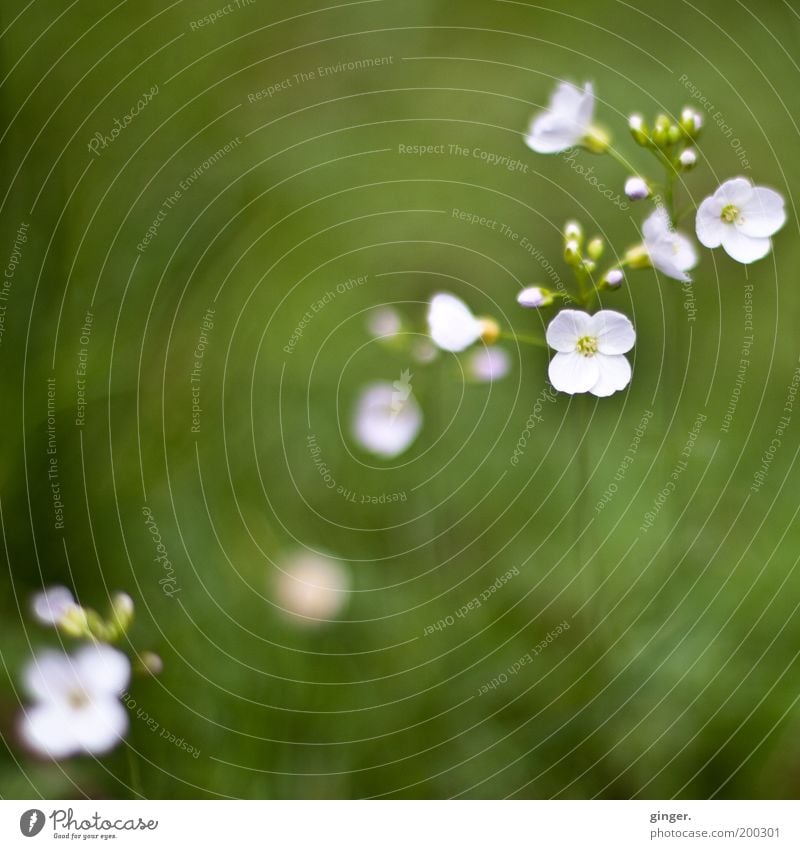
(688, 158)
(661, 130)
(572, 252)
(595, 248)
(74, 622)
(589, 265)
(614, 278)
(150, 663)
(534, 297)
(490, 331)
(636, 188)
(638, 257)
(691, 122)
(639, 130)
(121, 612)
(573, 232)
(674, 134)
(596, 140)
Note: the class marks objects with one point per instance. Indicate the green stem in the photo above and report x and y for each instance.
(528, 340)
(135, 777)
(617, 157)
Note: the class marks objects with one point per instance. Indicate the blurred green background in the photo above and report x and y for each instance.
(679, 674)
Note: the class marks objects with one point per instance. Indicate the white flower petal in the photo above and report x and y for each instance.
(99, 725)
(50, 605)
(50, 676)
(614, 332)
(586, 107)
(573, 373)
(387, 420)
(737, 191)
(489, 364)
(656, 225)
(47, 729)
(671, 252)
(531, 297)
(565, 122)
(763, 215)
(615, 374)
(709, 225)
(312, 587)
(452, 325)
(744, 249)
(566, 328)
(548, 134)
(102, 670)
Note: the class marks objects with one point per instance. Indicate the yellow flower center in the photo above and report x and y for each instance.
(587, 345)
(730, 213)
(78, 698)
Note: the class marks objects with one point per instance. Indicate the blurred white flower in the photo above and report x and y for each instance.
(76, 701)
(52, 604)
(488, 364)
(565, 123)
(533, 297)
(424, 351)
(590, 352)
(669, 251)
(741, 217)
(383, 321)
(312, 587)
(452, 325)
(614, 278)
(688, 158)
(386, 420)
(636, 188)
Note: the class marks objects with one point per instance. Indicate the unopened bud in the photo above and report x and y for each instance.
(490, 331)
(596, 140)
(572, 252)
(674, 134)
(638, 257)
(639, 129)
(661, 130)
(691, 122)
(688, 158)
(151, 663)
(636, 188)
(534, 297)
(595, 248)
(74, 622)
(121, 612)
(573, 232)
(614, 278)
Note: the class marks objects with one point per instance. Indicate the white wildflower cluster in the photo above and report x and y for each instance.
(589, 344)
(75, 703)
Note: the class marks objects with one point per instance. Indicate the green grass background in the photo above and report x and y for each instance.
(679, 675)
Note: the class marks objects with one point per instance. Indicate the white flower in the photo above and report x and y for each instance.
(533, 297)
(488, 364)
(741, 217)
(452, 325)
(385, 422)
(614, 278)
(312, 587)
(383, 321)
(636, 188)
(76, 701)
(52, 604)
(590, 352)
(565, 123)
(688, 157)
(424, 351)
(670, 251)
